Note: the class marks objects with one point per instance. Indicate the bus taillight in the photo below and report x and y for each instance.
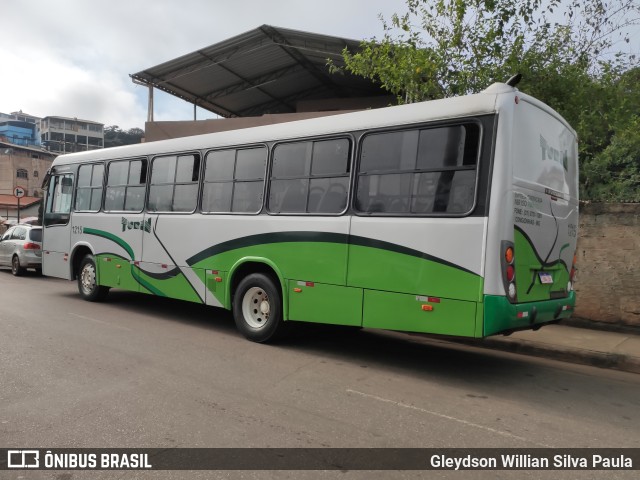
(508, 269)
(508, 255)
(511, 273)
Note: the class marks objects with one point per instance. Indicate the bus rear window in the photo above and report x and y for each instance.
(544, 152)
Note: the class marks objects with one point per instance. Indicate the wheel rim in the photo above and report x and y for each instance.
(88, 278)
(15, 264)
(256, 307)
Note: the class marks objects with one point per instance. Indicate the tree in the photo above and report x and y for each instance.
(114, 136)
(452, 47)
(614, 174)
(574, 55)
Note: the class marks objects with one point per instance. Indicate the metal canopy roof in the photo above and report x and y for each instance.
(266, 70)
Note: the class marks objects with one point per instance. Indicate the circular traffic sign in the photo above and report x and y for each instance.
(19, 192)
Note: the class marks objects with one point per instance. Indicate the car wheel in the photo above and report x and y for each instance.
(16, 269)
(87, 281)
(257, 308)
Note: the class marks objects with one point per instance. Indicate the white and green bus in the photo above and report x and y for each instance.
(455, 217)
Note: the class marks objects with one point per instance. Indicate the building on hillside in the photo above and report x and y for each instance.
(68, 135)
(24, 167)
(20, 129)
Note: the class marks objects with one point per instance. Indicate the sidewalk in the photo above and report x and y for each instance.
(620, 351)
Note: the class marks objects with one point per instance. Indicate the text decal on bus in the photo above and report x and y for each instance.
(136, 225)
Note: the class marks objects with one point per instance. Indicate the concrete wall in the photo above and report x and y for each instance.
(304, 109)
(175, 129)
(608, 281)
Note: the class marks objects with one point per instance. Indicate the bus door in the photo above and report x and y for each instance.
(57, 226)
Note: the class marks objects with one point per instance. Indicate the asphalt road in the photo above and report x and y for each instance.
(137, 371)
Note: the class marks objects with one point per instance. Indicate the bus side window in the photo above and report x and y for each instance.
(310, 177)
(234, 180)
(432, 170)
(89, 191)
(174, 183)
(126, 182)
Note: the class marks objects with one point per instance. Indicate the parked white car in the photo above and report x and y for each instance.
(21, 248)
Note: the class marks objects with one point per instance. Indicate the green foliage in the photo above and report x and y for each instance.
(114, 136)
(574, 55)
(614, 175)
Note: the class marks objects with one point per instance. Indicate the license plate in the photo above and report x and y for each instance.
(545, 278)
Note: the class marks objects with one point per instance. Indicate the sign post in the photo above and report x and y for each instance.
(18, 192)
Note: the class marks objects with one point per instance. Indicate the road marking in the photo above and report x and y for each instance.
(100, 321)
(447, 417)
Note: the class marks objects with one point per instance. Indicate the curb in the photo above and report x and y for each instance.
(579, 322)
(593, 358)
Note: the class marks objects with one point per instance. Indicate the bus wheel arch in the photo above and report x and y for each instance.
(78, 254)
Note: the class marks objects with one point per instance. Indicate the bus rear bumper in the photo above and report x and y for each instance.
(501, 316)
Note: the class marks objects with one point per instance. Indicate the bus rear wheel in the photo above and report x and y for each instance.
(88, 283)
(257, 308)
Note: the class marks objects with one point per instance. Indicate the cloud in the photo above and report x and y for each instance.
(74, 58)
(64, 89)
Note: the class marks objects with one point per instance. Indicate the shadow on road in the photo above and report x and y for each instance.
(412, 354)
(480, 374)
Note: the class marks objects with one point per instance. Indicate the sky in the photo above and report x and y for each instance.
(73, 58)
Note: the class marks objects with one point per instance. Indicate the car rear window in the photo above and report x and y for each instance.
(35, 235)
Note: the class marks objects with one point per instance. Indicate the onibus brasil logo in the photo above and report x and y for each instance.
(136, 225)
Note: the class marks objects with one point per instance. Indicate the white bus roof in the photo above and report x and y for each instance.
(448, 108)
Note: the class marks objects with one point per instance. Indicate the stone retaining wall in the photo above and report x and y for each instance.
(608, 279)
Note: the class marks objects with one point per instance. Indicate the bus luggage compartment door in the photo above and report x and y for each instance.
(322, 303)
(417, 313)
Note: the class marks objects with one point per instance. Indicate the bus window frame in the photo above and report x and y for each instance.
(90, 187)
(146, 184)
(198, 183)
(235, 148)
(421, 126)
(353, 142)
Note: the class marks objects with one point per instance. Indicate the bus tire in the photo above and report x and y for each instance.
(87, 281)
(257, 308)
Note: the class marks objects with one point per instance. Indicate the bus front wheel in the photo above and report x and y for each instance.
(257, 308)
(88, 282)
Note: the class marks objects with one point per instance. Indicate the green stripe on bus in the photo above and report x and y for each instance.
(112, 237)
(315, 237)
(145, 284)
(354, 266)
(173, 280)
